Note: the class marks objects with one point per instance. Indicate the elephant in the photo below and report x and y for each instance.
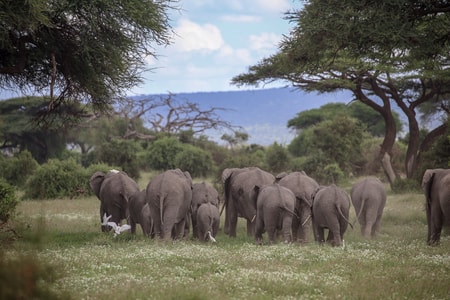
(240, 196)
(169, 197)
(303, 188)
(208, 221)
(436, 186)
(202, 193)
(113, 189)
(275, 206)
(140, 213)
(331, 207)
(369, 198)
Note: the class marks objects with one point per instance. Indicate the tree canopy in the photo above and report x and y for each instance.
(89, 51)
(387, 53)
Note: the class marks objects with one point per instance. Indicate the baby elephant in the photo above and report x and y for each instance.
(274, 211)
(331, 208)
(369, 199)
(208, 220)
(140, 213)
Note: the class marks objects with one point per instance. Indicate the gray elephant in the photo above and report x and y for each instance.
(202, 193)
(169, 197)
(331, 207)
(208, 221)
(275, 206)
(140, 213)
(240, 196)
(436, 186)
(369, 198)
(303, 188)
(113, 189)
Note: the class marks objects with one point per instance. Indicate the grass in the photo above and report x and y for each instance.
(65, 235)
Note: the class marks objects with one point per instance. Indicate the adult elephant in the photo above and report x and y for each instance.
(274, 212)
(240, 196)
(140, 213)
(303, 188)
(169, 197)
(113, 189)
(369, 198)
(436, 186)
(202, 193)
(331, 207)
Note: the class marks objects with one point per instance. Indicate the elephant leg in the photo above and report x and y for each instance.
(296, 228)
(319, 234)
(435, 225)
(104, 228)
(287, 229)
(259, 228)
(179, 230)
(272, 233)
(133, 226)
(250, 228)
(232, 219)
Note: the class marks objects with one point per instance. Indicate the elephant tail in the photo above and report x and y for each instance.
(363, 202)
(161, 207)
(344, 217)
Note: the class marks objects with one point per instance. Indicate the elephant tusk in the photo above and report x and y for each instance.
(253, 219)
(307, 219)
(211, 238)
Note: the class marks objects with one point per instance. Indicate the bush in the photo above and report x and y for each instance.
(195, 160)
(162, 153)
(8, 201)
(406, 185)
(56, 179)
(277, 158)
(17, 169)
(120, 153)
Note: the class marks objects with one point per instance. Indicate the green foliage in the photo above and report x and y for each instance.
(17, 169)
(320, 167)
(8, 201)
(251, 156)
(278, 158)
(25, 277)
(195, 160)
(119, 152)
(22, 126)
(57, 179)
(162, 152)
(406, 185)
(92, 58)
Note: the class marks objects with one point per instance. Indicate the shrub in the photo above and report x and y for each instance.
(56, 179)
(8, 201)
(277, 158)
(406, 185)
(120, 153)
(162, 153)
(17, 169)
(195, 160)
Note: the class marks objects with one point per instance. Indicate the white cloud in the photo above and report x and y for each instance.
(276, 6)
(191, 36)
(241, 18)
(265, 40)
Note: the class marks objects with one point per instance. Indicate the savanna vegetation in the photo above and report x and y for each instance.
(51, 243)
(62, 253)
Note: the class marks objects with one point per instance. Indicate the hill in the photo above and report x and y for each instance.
(263, 113)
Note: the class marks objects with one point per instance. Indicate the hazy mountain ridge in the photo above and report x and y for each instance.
(262, 113)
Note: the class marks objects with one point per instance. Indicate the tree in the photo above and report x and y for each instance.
(387, 53)
(85, 51)
(20, 129)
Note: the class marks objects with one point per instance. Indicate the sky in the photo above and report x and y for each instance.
(214, 41)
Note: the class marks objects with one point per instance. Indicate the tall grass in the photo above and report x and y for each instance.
(65, 234)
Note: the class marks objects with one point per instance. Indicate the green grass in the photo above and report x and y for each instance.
(65, 235)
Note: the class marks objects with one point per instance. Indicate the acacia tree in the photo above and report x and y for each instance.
(386, 53)
(85, 51)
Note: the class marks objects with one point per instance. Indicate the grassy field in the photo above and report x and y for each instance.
(64, 235)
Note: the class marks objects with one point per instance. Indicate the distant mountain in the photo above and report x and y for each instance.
(263, 113)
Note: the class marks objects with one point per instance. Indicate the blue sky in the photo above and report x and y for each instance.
(214, 41)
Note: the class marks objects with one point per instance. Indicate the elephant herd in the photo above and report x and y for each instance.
(284, 206)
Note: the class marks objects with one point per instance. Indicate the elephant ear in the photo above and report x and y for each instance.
(188, 176)
(96, 182)
(427, 183)
(280, 176)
